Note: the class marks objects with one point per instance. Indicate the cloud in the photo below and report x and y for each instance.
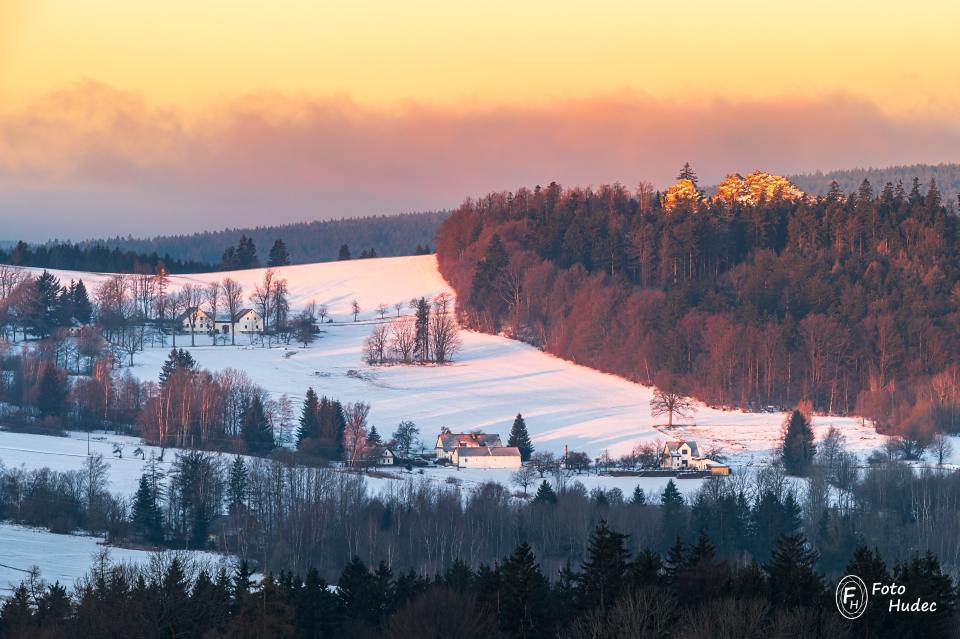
(93, 160)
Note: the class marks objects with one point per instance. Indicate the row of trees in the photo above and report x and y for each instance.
(611, 593)
(98, 257)
(387, 235)
(430, 335)
(846, 300)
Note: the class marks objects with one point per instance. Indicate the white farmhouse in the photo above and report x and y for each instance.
(679, 455)
(685, 455)
(383, 456)
(448, 442)
(486, 457)
(248, 320)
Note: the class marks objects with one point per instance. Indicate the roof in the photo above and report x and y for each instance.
(449, 441)
(488, 451)
(193, 310)
(673, 446)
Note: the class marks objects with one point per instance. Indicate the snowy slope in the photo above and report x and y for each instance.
(63, 558)
(491, 381)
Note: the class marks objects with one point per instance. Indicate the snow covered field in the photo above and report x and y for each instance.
(492, 379)
(63, 558)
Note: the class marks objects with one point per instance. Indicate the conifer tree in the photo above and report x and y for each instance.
(545, 494)
(360, 593)
(645, 569)
(146, 511)
(792, 574)
(687, 173)
(309, 418)
(869, 566)
(278, 255)
(421, 343)
(524, 592)
(178, 359)
(602, 574)
(237, 485)
(255, 428)
(373, 437)
(344, 253)
(671, 498)
(246, 255)
(922, 577)
(639, 497)
(797, 448)
(82, 309)
(520, 438)
(52, 391)
(676, 560)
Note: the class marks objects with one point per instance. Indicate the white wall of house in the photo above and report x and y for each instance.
(486, 461)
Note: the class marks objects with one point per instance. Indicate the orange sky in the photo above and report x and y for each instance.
(358, 103)
(900, 55)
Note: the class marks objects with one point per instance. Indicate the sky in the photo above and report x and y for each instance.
(140, 118)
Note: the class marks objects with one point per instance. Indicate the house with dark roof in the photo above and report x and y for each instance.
(685, 455)
(448, 442)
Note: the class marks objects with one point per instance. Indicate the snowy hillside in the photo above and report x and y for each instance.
(492, 379)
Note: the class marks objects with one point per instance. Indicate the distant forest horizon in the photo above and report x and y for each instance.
(390, 235)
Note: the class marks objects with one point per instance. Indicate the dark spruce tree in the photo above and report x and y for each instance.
(247, 253)
(309, 418)
(278, 255)
(344, 253)
(520, 438)
(255, 428)
(601, 577)
(421, 343)
(687, 173)
(524, 596)
(545, 494)
(792, 573)
(52, 391)
(81, 308)
(237, 486)
(797, 449)
(147, 517)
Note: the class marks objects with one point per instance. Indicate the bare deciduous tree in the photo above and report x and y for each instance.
(941, 447)
(213, 303)
(524, 477)
(355, 432)
(402, 338)
(191, 296)
(375, 346)
(670, 403)
(232, 294)
(444, 337)
(262, 297)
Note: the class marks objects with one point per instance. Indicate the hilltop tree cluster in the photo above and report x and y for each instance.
(430, 335)
(850, 301)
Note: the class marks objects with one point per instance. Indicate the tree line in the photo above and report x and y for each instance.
(849, 301)
(97, 257)
(306, 242)
(611, 593)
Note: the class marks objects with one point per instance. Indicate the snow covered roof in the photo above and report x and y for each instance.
(489, 451)
(673, 447)
(449, 441)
